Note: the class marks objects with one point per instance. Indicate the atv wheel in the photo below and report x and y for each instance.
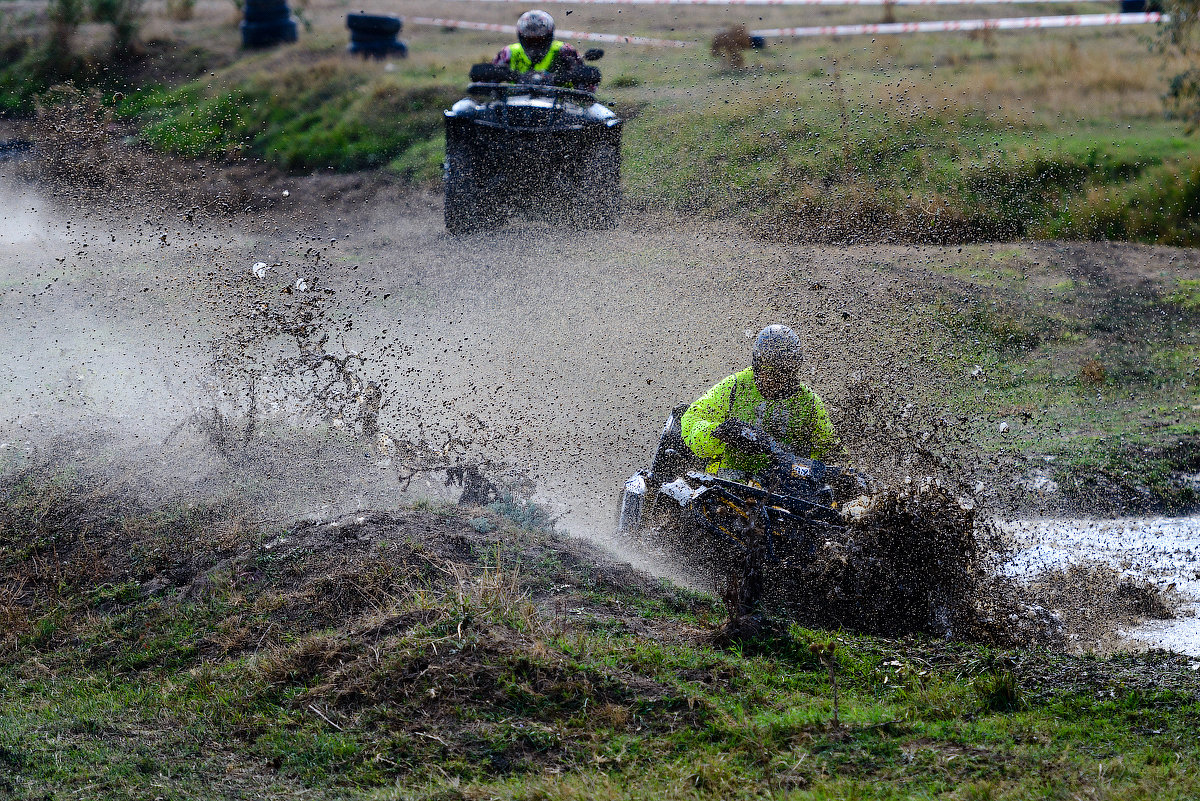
(467, 204)
(599, 203)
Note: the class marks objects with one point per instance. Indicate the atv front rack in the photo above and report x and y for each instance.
(503, 91)
(767, 512)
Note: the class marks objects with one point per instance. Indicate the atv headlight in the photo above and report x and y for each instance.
(679, 490)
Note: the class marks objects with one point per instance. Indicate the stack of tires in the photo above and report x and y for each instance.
(374, 35)
(266, 23)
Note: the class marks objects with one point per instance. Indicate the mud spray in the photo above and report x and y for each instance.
(304, 348)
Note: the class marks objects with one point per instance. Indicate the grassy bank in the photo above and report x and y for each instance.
(331, 114)
(927, 139)
(1070, 370)
(445, 653)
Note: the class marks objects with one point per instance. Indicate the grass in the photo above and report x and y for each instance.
(465, 679)
(1098, 372)
(324, 115)
(1186, 294)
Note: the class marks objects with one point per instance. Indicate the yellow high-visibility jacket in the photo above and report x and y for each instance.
(799, 422)
(519, 60)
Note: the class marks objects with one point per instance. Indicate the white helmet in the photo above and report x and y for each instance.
(777, 346)
(776, 359)
(535, 27)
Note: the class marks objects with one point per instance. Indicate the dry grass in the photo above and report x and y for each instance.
(14, 615)
(1092, 373)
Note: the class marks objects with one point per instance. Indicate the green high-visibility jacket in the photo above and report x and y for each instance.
(519, 60)
(799, 422)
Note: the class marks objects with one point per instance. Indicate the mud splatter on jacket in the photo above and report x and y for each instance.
(799, 422)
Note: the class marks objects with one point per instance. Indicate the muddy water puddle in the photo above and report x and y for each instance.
(1161, 556)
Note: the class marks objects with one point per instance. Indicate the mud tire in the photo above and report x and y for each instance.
(469, 207)
(599, 200)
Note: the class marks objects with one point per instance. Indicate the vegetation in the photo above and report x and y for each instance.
(178, 653)
(31, 65)
(937, 139)
(1093, 376)
(331, 113)
(1180, 36)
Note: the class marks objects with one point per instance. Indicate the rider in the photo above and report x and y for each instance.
(537, 49)
(768, 396)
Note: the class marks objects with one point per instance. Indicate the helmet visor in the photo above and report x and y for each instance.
(536, 45)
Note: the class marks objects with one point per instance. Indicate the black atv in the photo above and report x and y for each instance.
(791, 539)
(531, 142)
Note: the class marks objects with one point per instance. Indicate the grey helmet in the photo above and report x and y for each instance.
(535, 29)
(777, 345)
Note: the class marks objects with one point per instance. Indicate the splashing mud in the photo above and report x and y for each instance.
(309, 347)
(1114, 583)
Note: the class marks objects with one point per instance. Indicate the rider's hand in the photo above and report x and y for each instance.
(742, 436)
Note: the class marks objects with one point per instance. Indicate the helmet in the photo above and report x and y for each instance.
(777, 345)
(776, 359)
(535, 28)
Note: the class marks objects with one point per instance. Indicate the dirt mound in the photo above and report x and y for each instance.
(63, 531)
(427, 622)
(1092, 603)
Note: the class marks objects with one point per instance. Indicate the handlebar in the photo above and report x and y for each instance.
(502, 81)
(748, 439)
(506, 90)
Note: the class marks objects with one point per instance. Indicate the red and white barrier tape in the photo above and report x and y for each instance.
(795, 2)
(586, 37)
(1003, 24)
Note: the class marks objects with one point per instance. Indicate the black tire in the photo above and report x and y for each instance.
(374, 24)
(599, 202)
(468, 208)
(267, 34)
(378, 48)
(265, 13)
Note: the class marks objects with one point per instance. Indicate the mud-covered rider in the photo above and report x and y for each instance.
(536, 49)
(768, 396)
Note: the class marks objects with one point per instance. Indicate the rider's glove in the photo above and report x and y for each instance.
(743, 437)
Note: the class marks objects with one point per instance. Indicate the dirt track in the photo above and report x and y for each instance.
(568, 348)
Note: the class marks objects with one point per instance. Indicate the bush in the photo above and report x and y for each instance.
(124, 17)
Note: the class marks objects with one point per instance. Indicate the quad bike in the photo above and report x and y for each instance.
(790, 538)
(532, 142)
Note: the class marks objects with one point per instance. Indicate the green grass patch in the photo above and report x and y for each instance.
(1186, 294)
(332, 114)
